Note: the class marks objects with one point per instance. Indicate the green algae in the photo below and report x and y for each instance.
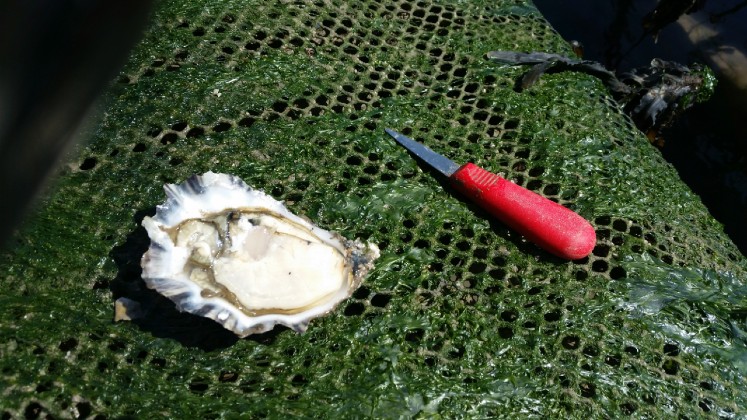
(460, 317)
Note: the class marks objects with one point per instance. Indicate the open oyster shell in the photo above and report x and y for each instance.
(223, 250)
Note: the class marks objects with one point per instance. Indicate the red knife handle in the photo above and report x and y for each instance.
(546, 223)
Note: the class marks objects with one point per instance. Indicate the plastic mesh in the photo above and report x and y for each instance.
(461, 317)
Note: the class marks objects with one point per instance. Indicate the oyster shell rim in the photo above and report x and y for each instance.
(193, 198)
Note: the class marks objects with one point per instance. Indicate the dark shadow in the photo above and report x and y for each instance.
(161, 317)
(707, 143)
(616, 32)
(57, 58)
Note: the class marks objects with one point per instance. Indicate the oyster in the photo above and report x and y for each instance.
(223, 250)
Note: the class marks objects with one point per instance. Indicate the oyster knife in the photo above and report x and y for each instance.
(552, 227)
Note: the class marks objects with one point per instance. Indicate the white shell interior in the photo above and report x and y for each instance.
(225, 251)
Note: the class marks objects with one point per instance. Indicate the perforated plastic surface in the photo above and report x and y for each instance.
(461, 317)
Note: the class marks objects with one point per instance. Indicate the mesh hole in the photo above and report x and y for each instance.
(354, 309)
(88, 164)
(221, 127)
(68, 344)
(246, 122)
(381, 300)
(169, 138)
(587, 389)
(505, 332)
(571, 342)
(509, 316)
(196, 132)
(199, 386)
(361, 293)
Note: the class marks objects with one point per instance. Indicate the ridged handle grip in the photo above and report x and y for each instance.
(546, 223)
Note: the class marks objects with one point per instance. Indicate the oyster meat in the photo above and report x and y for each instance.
(223, 250)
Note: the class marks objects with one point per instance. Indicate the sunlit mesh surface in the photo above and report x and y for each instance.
(460, 317)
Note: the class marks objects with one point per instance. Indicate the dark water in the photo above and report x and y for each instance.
(708, 144)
